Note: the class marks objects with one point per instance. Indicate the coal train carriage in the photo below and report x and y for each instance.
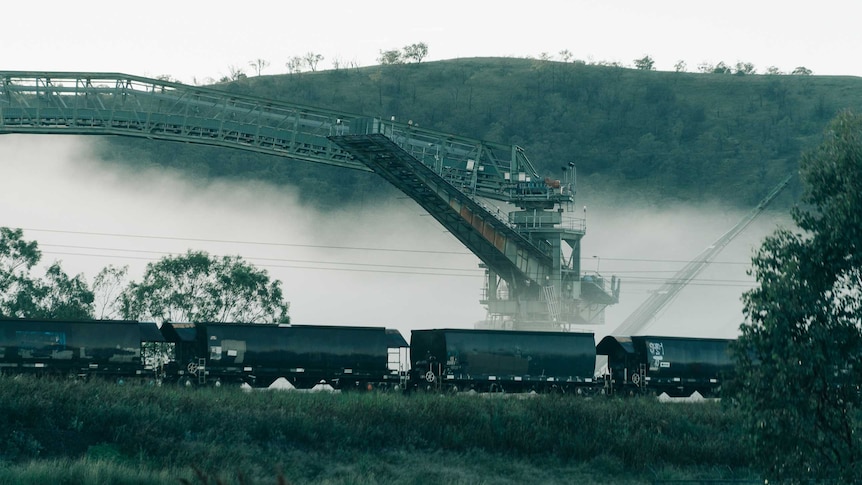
(78, 348)
(457, 360)
(677, 366)
(365, 358)
(305, 355)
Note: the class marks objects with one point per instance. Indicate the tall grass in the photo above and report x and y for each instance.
(84, 471)
(166, 428)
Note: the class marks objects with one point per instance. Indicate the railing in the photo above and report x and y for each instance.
(110, 103)
(607, 286)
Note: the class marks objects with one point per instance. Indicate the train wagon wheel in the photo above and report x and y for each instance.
(430, 376)
(192, 368)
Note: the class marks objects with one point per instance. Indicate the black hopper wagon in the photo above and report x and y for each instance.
(87, 348)
(305, 355)
(677, 366)
(455, 360)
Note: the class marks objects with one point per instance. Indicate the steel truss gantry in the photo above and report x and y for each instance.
(531, 254)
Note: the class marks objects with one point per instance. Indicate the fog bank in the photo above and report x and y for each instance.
(645, 246)
(389, 264)
(362, 266)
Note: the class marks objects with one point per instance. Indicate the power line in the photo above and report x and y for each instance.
(432, 270)
(257, 243)
(632, 279)
(645, 260)
(401, 250)
(353, 270)
(257, 258)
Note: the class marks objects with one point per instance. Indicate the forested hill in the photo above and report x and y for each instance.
(663, 136)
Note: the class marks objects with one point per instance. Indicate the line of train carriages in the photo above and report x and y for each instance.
(365, 358)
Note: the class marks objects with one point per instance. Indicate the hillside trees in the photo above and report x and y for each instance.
(416, 52)
(714, 132)
(645, 63)
(391, 56)
(294, 64)
(312, 59)
(413, 52)
(258, 65)
(800, 350)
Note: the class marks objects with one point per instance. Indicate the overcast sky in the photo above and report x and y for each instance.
(196, 40)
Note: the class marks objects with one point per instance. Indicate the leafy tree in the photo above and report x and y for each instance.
(17, 256)
(108, 288)
(312, 59)
(645, 63)
(721, 68)
(294, 65)
(196, 287)
(236, 73)
(680, 66)
(259, 65)
(802, 71)
(705, 67)
(59, 297)
(800, 351)
(744, 68)
(22, 296)
(416, 52)
(390, 57)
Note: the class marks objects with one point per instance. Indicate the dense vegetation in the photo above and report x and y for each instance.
(803, 325)
(667, 136)
(138, 434)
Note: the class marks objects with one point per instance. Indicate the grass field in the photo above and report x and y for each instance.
(96, 432)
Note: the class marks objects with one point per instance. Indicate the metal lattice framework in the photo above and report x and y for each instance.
(120, 104)
(532, 250)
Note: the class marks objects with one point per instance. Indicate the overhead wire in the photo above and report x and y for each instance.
(259, 243)
(268, 260)
(361, 248)
(632, 277)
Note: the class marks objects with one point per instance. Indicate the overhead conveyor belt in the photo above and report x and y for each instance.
(492, 240)
(531, 254)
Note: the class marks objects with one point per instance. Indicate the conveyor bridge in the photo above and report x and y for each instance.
(531, 254)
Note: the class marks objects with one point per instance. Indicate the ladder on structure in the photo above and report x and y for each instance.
(202, 371)
(552, 298)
